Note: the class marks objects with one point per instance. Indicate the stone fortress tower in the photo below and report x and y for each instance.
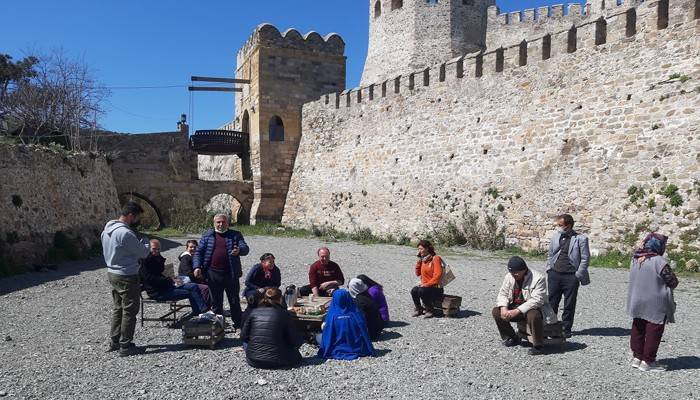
(407, 35)
(286, 70)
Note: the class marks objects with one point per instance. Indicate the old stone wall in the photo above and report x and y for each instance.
(51, 202)
(158, 168)
(506, 28)
(410, 34)
(607, 131)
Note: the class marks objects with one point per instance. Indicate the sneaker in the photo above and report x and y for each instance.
(635, 362)
(417, 313)
(131, 350)
(536, 351)
(511, 341)
(651, 367)
(114, 346)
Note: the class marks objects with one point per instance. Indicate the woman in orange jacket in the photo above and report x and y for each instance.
(429, 269)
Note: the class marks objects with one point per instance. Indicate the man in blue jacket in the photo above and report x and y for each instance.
(218, 257)
(567, 267)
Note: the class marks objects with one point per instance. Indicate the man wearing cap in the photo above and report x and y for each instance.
(520, 298)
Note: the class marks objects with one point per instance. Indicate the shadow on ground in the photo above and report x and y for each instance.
(565, 348)
(611, 331)
(680, 363)
(389, 335)
(30, 279)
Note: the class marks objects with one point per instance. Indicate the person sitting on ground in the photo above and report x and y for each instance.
(325, 276)
(345, 335)
(370, 310)
(522, 295)
(253, 302)
(161, 288)
(650, 301)
(429, 269)
(272, 339)
(376, 292)
(185, 269)
(263, 275)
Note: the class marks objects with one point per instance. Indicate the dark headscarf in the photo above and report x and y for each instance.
(653, 245)
(345, 335)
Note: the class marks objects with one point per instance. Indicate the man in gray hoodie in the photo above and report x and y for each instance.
(122, 251)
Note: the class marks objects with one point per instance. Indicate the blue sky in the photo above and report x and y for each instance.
(162, 43)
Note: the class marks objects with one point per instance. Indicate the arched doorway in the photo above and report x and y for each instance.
(151, 218)
(226, 204)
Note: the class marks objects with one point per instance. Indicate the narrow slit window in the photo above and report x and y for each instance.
(601, 32)
(479, 66)
(377, 9)
(499, 60)
(571, 39)
(631, 24)
(547, 47)
(522, 54)
(663, 15)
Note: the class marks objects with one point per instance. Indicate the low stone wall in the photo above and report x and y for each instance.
(52, 203)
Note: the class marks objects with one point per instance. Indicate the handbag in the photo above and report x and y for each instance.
(447, 275)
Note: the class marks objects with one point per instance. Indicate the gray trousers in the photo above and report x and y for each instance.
(126, 299)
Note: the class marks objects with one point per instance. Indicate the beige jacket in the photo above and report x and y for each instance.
(534, 290)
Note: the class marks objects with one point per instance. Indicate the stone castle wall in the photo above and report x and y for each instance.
(51, 201)
(418, 33)
(603, 131)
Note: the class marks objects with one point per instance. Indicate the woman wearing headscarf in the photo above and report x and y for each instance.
(376, 292)
(429, 291)
(345, 335)
(650, 301)
(263, 275)
(365, 303)
(272, 339)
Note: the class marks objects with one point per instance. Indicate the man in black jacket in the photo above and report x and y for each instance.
(161, 288)
(272, 340)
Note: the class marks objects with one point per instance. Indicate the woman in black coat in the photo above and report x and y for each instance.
(273, 340)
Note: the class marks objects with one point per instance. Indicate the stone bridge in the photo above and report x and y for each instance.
(159, 169)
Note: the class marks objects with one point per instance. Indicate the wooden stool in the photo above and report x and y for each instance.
(202, 334)
(449, 305)
(553, 334)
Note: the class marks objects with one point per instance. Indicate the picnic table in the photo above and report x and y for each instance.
(307, 316)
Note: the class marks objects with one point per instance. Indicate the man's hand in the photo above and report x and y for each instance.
(510, 314)
(198, 273)
(504, 313)
(236, 251)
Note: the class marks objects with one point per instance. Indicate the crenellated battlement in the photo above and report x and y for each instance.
(503, 28)
(607, 26)
(268, 35)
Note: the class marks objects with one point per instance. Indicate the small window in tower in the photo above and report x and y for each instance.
(396, 4)
(431, 2)
(276, 129)
(377, 9)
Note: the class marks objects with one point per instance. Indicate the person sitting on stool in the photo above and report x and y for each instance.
(522, 294)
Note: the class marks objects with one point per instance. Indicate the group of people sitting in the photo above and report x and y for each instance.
(359, 311)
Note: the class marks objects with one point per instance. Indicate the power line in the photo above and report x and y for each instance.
(142, 87)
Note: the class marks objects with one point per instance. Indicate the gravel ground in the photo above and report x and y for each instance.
(54, 327)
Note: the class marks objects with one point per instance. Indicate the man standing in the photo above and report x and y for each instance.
(218, 257)
(520, 298)
(122, 251)
(567, 267)
(325, 276)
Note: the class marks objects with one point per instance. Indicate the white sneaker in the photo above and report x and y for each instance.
(636, 362)
(651, 367)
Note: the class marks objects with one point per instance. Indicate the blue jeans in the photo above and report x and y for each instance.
(188, 291)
